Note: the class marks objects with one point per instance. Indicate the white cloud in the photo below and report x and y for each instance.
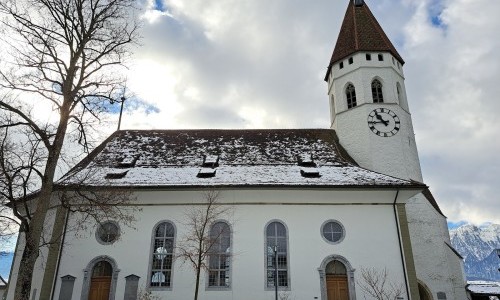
(260, 64)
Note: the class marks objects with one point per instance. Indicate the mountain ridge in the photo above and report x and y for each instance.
(477, 245)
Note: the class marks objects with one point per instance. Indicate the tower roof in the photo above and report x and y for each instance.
(360, 31)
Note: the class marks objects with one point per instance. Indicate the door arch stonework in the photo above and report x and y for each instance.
(87, 276)
(349, 273)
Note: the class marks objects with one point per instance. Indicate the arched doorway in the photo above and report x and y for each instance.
(100, 282)
(98, 273)
(336, 281)
(336, 277)
(424, 292)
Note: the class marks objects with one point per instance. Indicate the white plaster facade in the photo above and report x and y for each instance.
(371, 241)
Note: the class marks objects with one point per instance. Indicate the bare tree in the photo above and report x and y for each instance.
(62, 74)
(146, 294)
(377, 284)
(202, 239)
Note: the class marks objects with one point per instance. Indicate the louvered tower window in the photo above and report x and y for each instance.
(377, 95)
(350, 93)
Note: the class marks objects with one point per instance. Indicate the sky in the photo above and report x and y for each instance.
(261, 64)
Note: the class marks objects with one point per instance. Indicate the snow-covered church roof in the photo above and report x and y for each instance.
(198, 158)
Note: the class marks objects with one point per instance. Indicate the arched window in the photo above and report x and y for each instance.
(220, 255)
(350, 93)
(377, 95)
(276, 255)
(162, 255)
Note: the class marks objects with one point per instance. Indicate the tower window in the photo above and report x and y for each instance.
(350, 93)
(341, 65)
(351, 60)
(377, 95)
(380, 57)
(368, 56)
(398, 90)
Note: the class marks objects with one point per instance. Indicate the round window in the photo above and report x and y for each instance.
(107, 232)
(333, 231)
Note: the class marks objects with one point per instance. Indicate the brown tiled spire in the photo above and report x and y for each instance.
(360, 31)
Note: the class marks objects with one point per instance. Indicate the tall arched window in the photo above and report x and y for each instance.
(162, 255)
(220, 255)
(350, 93)
(377, 95)
(277, 255)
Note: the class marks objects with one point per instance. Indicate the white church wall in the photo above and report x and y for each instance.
(370, 241)
(434, 265)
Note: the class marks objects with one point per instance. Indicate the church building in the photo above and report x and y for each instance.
(311, 212)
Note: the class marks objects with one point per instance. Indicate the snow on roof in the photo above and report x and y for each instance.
(484, 287)
(245, 158)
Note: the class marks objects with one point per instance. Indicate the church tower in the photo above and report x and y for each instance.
(370, 113)
(368, 105)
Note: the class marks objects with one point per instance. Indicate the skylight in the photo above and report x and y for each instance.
(206, 173)
(116, 174)
(211, 161)
(310, 172)
(128, 162)
(305, 160)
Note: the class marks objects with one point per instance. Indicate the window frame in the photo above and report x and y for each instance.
(327, 240)
(377, 91)
(98, 237)
(351, 100)
(151, 256)
(208, 287)
(289, 282)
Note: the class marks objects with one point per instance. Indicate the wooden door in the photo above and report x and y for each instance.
(100, 287)
(336, 287)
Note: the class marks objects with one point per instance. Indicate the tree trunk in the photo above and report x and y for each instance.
(35, 230)
(198, 271)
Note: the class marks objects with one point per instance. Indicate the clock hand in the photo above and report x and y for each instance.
(381, 119)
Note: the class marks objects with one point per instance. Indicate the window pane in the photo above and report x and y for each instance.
(276, 236)
(169, 228)
(160, 230)
(161, 264)
(280, 229)
(219, 258)
(270, 278)
(282, 264)
(282, 278)
(333, 231)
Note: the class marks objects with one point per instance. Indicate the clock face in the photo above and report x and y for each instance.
(383, 122)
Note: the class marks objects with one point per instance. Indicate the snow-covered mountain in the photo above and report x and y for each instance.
(477, 245)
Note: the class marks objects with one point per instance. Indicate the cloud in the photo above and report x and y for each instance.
(260, 64)
(452, 73)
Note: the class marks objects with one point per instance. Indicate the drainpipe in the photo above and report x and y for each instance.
(396, 219)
